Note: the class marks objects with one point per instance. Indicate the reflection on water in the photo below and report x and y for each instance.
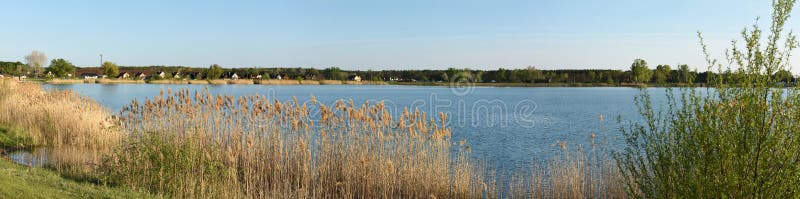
(36, 157)
(57, 157)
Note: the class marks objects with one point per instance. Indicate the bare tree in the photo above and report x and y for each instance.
(36, 61)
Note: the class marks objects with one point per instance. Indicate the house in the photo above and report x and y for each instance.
(357, 78)
(162, 74)
(278, 77)
(141, 75)
(124, 75)
(176, 75)
(234, 76)
(89, 76)
(49, 74)
(258, 77)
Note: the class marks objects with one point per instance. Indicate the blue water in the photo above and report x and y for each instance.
(508, 128)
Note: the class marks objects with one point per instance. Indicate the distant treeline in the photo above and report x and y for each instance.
(639, 72)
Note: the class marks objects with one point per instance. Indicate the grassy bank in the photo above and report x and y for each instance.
(18, 181)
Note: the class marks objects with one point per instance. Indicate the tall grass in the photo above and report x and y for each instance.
(56, 118)
(250, 146)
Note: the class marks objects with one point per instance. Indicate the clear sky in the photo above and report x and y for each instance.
(369, 34)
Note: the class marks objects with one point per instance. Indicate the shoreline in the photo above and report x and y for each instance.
(337, 82)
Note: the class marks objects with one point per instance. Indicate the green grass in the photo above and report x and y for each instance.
(13, 137)
(17, 181)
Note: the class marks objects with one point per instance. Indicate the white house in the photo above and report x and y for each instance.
(278, 77)
(124, 75)
(234, 76)
(357, 78)
(162, 74)
(258, 76)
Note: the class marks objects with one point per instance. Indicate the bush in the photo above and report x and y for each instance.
(728, 141)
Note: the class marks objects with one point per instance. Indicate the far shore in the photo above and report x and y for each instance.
(213, 82)
(349, 82)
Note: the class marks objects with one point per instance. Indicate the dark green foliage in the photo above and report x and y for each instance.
(639, 71)
(334, 73)
(730, 141)
(61, 68)
(13, 68)
(214, 72)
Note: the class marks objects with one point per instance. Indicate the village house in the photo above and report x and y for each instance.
(278, 77)
(124, 75)
(89, 76)
(141, 75)
(234, 76)
(162, 74)
(357, 78)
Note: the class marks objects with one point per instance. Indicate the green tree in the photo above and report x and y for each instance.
(740, 141)
(214, 72)
(686, 75)
(61, 68)
(639, 71)
(110, 69)
(334, 73)
(661, 74)
(783, 76)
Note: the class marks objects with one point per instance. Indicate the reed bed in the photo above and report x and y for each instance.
(309, 82)
(216, 81)
(57, 118)
(241, 81)
(278, 82)
(198, 81)
(65, 81)
(253, 147)
(120, 81)
(168, 81)
(330, 82)
(82, 131)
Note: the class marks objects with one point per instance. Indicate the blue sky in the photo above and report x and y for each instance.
(376, 34)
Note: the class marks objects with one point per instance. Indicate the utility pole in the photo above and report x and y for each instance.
(101, 59)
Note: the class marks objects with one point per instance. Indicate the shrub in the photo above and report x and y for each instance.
(730, 141)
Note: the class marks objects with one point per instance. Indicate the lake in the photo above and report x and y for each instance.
(510, 128)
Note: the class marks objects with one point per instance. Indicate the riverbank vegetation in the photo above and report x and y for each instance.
(728, 142)
(194, 144)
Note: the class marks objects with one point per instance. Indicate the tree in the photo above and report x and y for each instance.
(639, 71)
(783, 76)
(110, 69)
(686, 76)
(36, 61)
(61, 68)
(662, 74)
(333, 73)
(214, 72)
